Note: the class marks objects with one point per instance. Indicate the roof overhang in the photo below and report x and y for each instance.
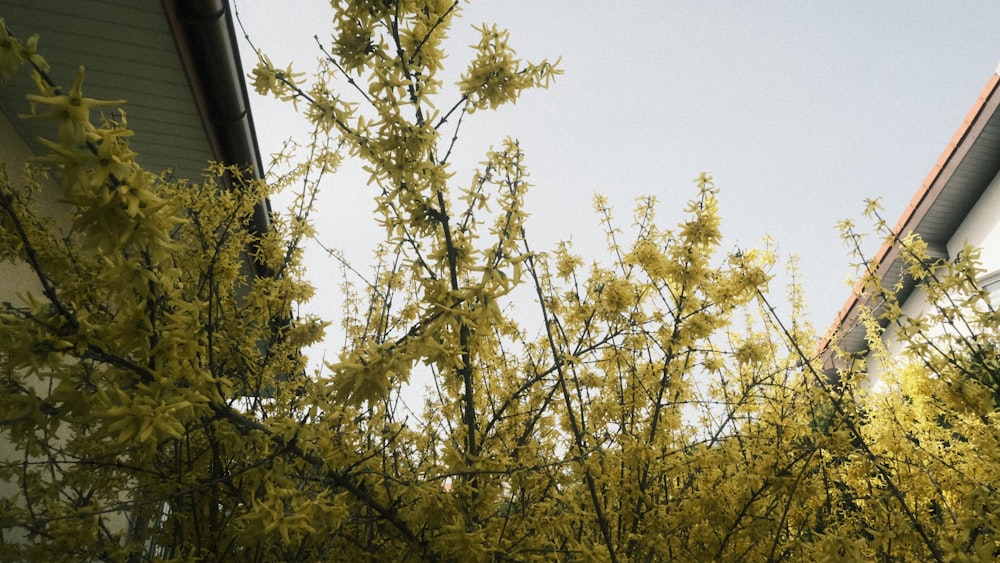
(207, 44)
(959, 177)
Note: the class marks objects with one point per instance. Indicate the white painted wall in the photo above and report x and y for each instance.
(980, 229)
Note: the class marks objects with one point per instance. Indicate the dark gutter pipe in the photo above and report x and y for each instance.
(207, 43)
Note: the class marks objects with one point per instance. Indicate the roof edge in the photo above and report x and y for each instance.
(921, 201)
(206, 42)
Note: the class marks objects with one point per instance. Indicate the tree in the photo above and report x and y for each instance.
(659, 409)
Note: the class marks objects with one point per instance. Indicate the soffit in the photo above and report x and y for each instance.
(971, 166)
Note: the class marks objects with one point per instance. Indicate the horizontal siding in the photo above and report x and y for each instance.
(129, 53)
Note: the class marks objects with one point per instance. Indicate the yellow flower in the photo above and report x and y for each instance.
(10, 53)
(648, 254)
(72, 111)
(618, 295)
(566, 263)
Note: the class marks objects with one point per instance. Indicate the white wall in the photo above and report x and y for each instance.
(980, 229)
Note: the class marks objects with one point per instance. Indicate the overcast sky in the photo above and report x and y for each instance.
(800, 110)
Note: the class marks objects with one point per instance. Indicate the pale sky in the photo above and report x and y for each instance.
(800, 110)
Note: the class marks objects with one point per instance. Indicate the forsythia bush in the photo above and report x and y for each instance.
(158, 407)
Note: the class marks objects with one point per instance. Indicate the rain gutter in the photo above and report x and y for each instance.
(207, 44)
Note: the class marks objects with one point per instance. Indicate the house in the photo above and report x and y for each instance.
(958, 204)
(177, 64)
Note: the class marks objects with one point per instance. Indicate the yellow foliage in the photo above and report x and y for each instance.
(652, 407)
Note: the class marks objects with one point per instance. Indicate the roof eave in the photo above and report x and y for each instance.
(888, 256)
(206, 42)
